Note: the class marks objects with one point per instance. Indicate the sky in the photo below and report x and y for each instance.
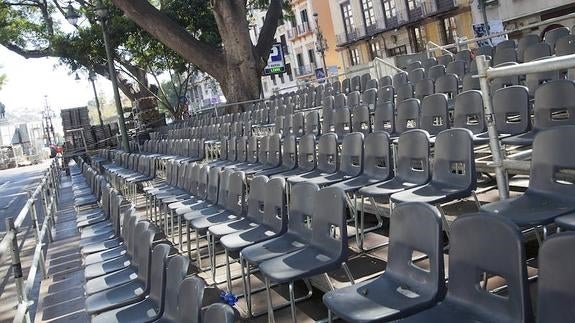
(30, 80)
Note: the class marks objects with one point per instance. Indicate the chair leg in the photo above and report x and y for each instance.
(179, 229)
(444, 220)
(348, 272)
(292, 302)
(477, 203)
(228, 271)
(270, 305)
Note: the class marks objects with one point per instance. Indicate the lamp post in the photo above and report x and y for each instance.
(321, 43)
(92, 79)
(102, 13)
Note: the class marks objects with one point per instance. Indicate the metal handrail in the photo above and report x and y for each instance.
(47, 193)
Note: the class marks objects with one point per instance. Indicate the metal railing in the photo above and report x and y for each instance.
(48, 195)
(485, 74)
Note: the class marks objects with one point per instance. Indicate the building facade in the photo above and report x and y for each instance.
(366, 29)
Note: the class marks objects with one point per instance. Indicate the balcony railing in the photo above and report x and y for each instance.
(305, 70)
(299, 30)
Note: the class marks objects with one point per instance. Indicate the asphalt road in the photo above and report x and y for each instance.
(14, 185)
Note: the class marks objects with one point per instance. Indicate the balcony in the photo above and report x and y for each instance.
(350, 37)
(299, 31)
(305, 70)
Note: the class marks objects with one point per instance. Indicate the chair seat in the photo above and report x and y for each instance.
(306, 262)
(115, 297)
(566, 222)
(237, 241)
(112, 280)
(354, 184)
(85, 200)
(524, 139)
(273, 171)
(143, 311)
(97, 239)
(193, 207)
(204, 222)
(386, 189)
(207, 211)
(220, 230)
(275, 247)
(179, 204)
(101, 246)
(106, 267)
(291, 173)
(101, 229)
(379, 299)
(531, 209)
(105, 255)
(430, 193)
(449, 312)
(306, 176)
(93, 214)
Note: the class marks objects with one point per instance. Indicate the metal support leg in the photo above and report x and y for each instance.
(270, 304)
(292, 302)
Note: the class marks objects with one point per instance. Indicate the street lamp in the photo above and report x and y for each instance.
(102, 13)
(71, 14)
(321, 43)
(92, 79)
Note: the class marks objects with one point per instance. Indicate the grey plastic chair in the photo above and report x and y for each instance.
(534, 80)
(536, 51)
(434, 114)
(163, 296)
(339, 101)
(385, 94)
(355, 84)
(448, 84)
(470, 83)
(453, 175)
(424, 88)
(404, 91)
(463, 55)
(445, 59)
(469, 258)
(408, 116)
(428, 63)
(504, 55)
(371, 84)
(134, 291)
(342, 121)
(509, 43)
(385, 81)
(458, 68)
(327, 249)
(469, 114)
(298, 124)
(552, 107)
(552, 36)
(546, 197)
(346, 86)
(404, 288)
(413, 65)
(505, 81)
(306, 158)
(360, 119)
(353, 99)
(221, 313)
(384, 117)
(327, 161)
(312, 123)
(399, 79)
(436, 72)
(555, 287)
(413, 168)
(416, 75)
(289, 158)
(511, 108)
(524, 43)
(565, 45)
(485, 50)
(369, 98)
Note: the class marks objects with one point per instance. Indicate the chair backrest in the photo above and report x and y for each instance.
(224, 187)
(565, 45)
(360, 119)
(428, 63)
(505, 81)
(175, 274)
(327, 153)
(342, 121)
(232, 146)
(371, 84)
(463, 55)
(301, 209)
(346, 86)
(470, 82)
(416, 75)
(413, 157)
(288, 125)
(190, 300)
(289, 152)
(353, 99)
(253, 150)
(275, 151)
(436, 71)
(256, 198)
(385, 81)
(448, 84)
(524, 42)
(424, 88)
(213, 189)
(555, 284)
(339, 101)
(458, 68)
(265, 148)
(469, 112)
(312, 123)
(552, 36)
(408, 116)
(377, 156)
(404, 91)
(454, 160)
(536, 51)
(220, 313)
(369, 98)
(306, 158)
(336, 87)
(355, 83)
(504, 55)
(385, 94)
(157, 276)
(328, 225)
(534, 80)
(274, 207)
(298, 123)
(416, 226)
(511, 108)
(550, 161)
(193, 179)
(242, 150)
(236, 193)
(384, 118)
(503, 256)
(352, 154)
(509, 43)
(434, 113)
(445, 59)
(399, 79)
(413, 65)
(485, 50)
(554, 104)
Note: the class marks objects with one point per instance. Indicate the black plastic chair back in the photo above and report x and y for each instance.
(377, 156)
(434, 114)
(469, 112)
(352, 154)
(511, 107)
(454, 160)
(327, 153)
(306, 153)
(408, 116)
(413, 157)
(384, 118)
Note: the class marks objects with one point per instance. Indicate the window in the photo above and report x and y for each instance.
(347, 15)
(448, 29)
(273, 77)
(389, 9)
(375, 49)
(311, 55)
(418, 39)
(304, 17)
(368, 12)
(413, 4)
(299, 59)
(289, 72)
(400, 50)
(284, 44)
(354, 56)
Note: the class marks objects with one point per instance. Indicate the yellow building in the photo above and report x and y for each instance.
(366, 29)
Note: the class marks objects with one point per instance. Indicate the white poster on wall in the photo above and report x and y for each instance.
(495, 26)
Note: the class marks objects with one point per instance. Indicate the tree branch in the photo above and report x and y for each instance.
(268, 31)
(161, 27)
(29, 53)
